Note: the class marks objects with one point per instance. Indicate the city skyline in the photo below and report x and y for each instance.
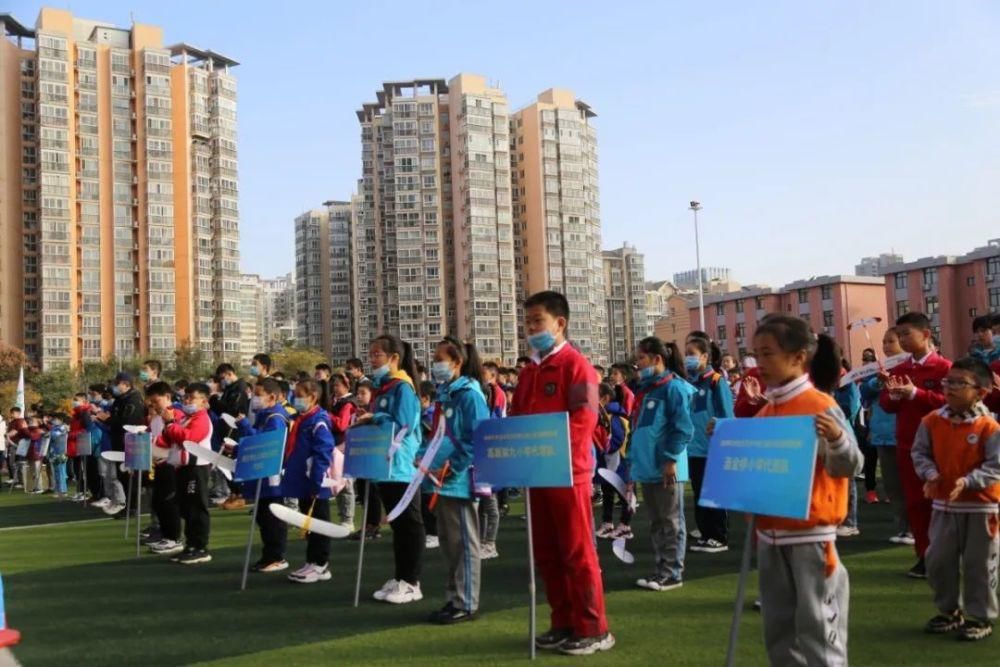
(853, 133)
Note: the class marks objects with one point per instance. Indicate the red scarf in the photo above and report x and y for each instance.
(294, 432)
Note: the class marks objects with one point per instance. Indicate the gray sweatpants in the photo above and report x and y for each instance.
(805, 611)
(346, 502)
(113, 490)
(489, 519)
(893, 487)
(458, 532)
(964, 544)
(667, 527)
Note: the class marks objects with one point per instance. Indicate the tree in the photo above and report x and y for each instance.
(12, 360)
(293, 360)
(190, 363)
(8, 394)
(56, 387)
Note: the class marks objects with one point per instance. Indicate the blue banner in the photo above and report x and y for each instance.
(84, 447)
(761, 466)
(524, 452)
(138, 451)
(260, 456)
(366, 452)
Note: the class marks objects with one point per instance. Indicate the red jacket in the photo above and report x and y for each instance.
(196, 428)
(564, 381)
(744, 407)
(78, 422)
(342, 415)
(993, 399)
(628, 399)
(926, 377)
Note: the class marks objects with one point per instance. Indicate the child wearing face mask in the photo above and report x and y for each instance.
(713, 399)
(343, 412)
(58, 440)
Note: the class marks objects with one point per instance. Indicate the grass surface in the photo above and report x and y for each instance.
(79, 597)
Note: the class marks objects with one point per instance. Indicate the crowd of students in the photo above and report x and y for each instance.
(925, 422)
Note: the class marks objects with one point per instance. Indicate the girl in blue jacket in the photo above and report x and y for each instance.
(269, 415)
(661, 433)
(395, 400)
(848, 398)
(460, 403)
(713, 399)
(308, 454)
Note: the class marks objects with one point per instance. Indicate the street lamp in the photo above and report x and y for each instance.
(694, 208)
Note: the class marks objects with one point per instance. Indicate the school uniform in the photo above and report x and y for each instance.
(744, 407)
(713, 399)
(804, 587)
(79, 424)
(964, 546)
(992, 401)
(662, 430)
(882, 438)
(343, 412)
(848, 400)
(58, 442)
(460, 403)
(273, 531)
(308, 456)
(394, 400)
(166, 507)
(490, 499)
(192, 475)
(562, 519)
(611, 435)
(926, 375)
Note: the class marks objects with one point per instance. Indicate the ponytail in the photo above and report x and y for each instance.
(825, 366)
(391, 345)
(467, 357)
(669, 352)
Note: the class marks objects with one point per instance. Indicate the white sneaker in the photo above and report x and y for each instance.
(112, 510)
(432, 542)
(349, 525)
(694, 534)
(386, 588)
(310, 574)
(902, 538)
(101, 504)
(848, 531)
(404, 593)
(604, 532)
(488, 552)
(166, 547)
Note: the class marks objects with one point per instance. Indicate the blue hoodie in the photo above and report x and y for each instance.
(882, 425)
(662, 429)
(849, 400)
(58, 437)
(395, 400)
(713, 399)
(462, 404)
(267, 419)
(310, 457)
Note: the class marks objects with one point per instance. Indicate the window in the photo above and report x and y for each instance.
(739, 306)
(901, 281)
(826, 292)
(993, 266)
(970, 281)
(741, 330)
(930, 306)
(930, 276)
(902, 308)
(972, 312)
(803, 296)
(720, 309)
(721, 332)
(827, 318)
(994, 298)
(760, 303)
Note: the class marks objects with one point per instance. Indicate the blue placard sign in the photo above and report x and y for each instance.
(260, 455)
(366, 451)
(138, 451)
(84, 446)
(761, 466)
(527, 451)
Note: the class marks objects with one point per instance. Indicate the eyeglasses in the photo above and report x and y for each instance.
(957, 384)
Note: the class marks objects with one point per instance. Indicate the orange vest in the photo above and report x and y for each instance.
(957, 450)
(828, 505)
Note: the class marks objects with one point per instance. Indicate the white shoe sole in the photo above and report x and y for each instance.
(168, 552)
(415, 597)
(606, 645)
(197, 561)
(311, 580)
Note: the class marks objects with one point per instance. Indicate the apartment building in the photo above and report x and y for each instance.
(667, 311)
(278, 312)
(876, 266)
(557, 226)
(118, 193)
(625, 289)
(951, 290)
(251, 317)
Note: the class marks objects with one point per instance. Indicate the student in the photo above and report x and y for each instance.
(521, 363)
(461, 403)
(613, 429)
(343, 412)
(984, 346)
(491, 500)
(79, 425)
(559, 379)
(713, 400)
(192, 472)
(882, 438)
(848, 399)
(620, 376)
(956, 454)
(58, 443)
(364, 392)
(17, 430)
(261, 366)
(100, 436)
(911, 391)
(36, 434)
(395, 400)
(161, 411)
(355, 373)
(373, 521)
(128, 409)
(428, 394)
(308, 458)
(150, 372)
(803, 585)
(661, 432)
(233, 401)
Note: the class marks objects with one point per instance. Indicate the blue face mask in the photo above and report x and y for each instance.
(441, 372)
(116, 390)
(255, 371)
(300, 404)
(380, 372)
(647, 373)
(223, 382)
(542, 342)
(692, 363)
(189, 409)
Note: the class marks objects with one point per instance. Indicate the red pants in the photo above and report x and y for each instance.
(918, 508)
(562, 527)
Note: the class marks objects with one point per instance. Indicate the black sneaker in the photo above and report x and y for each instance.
(945, 623)
(176, 558)
(449, 615)
(710, 546)
(974, 630)
(588, 645)
(553, 639)
(918, 571)
(195, 557)
(658, 583)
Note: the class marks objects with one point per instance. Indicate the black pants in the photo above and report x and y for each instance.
(609, 498)
(79, 465)
(317, 546)
(713, 523)
(408, 537)
(273, 531)
(165, 507)
(374, 518)
(429, 517)
(192, 491)
(93, 478)
(871, 465)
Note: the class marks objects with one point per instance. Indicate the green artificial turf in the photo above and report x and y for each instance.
(80, 597)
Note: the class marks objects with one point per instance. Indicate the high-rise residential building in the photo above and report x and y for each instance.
(278, 312)
(118, 195)
(625, 288)
(324, 281)
(667, 311)
(709, 274)
(557, 213)
(876, 266)
(251, 317)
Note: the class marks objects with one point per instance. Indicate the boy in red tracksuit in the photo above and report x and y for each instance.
(911, 391)
(560, 379)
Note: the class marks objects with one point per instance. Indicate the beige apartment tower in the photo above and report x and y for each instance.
(625, 288)
(119, 218)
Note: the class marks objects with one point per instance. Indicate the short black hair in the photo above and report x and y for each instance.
(421, 369)
(914, 319)
(978, 368)
(159, 388)
(554, 303)
(492, 365)
(181, 384)
(523, 360)
(263, 359)
(222, 369)
(982, 322)
(285, 386)
(354, 362)
(428, 390)
(198, 388)
(14, 408)
(98, 388)
(994, 319)
(271, 387)
(154, 364)
(324, 367)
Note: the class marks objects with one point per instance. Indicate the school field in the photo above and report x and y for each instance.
(80, 597)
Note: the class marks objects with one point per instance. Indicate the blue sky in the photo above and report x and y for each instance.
(812, 132)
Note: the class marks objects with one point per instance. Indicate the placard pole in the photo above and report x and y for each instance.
(128, 503)
(531, 574)
(361, 547)
(734, 629)
(138, 512)
(253, 521)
